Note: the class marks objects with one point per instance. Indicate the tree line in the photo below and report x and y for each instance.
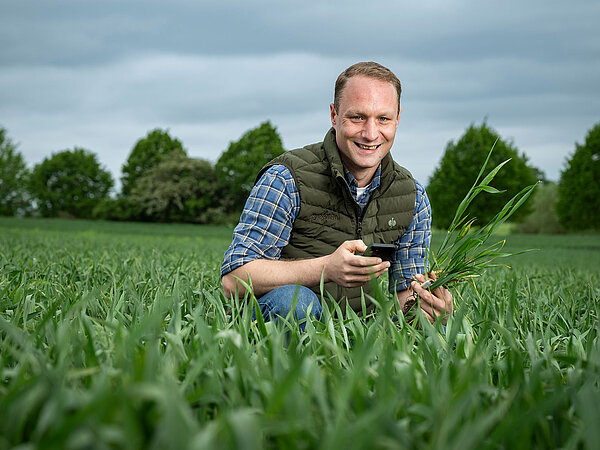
(160, 182)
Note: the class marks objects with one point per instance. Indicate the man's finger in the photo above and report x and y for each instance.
(355, 246)
(418, 289)
(420, 277)
(427, 315)
(368, 261)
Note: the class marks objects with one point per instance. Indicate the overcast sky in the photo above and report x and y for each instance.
(101, 74)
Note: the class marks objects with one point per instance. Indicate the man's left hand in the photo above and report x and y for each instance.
(433, 304)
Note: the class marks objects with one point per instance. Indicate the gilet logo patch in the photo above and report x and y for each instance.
(324, 218)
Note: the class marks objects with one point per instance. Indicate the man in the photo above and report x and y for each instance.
(313, 210)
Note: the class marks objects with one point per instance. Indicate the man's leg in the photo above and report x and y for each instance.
(279, 302)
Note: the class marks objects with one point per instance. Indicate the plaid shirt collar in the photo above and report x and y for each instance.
(353, 184)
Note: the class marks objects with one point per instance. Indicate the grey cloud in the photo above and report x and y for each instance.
(172, 87)
(75, 32)
(100, 74)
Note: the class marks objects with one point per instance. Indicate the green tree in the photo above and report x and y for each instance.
(147, 153)
(543, 217)
(177, 189)
(459, 167)
(13, 178)
(69, 183)
(579, 188)
(239, 164)
(119, 208)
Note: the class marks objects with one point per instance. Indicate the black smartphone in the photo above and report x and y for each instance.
(384, 251)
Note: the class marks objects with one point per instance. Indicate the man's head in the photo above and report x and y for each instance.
(365, 116)
(367, 69)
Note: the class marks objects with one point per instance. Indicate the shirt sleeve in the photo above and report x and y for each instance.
(266, 221)
(411, 254)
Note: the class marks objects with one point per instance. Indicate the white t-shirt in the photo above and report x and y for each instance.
(360, 191)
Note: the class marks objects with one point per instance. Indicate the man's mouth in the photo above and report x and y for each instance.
(367, 147)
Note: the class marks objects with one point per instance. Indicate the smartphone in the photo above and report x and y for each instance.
(383, 251)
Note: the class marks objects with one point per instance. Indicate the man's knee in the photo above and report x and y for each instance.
(307, 303)
(281, 301)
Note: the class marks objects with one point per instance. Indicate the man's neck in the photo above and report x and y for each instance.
(351, 179)
(363, 177)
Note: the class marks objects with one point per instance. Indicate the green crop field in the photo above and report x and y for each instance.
(116, 335)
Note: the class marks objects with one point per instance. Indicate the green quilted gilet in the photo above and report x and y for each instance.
(329, 215)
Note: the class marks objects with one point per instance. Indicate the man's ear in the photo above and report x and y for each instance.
(399, 112)
(333, 114)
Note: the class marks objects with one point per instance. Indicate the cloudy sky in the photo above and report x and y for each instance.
(100, 74)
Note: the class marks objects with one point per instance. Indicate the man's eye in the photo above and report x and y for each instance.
(383, 119)
(356, 118)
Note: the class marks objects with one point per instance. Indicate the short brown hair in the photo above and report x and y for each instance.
(367, 69)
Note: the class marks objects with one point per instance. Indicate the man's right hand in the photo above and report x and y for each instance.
(342, 267)
(345, 268)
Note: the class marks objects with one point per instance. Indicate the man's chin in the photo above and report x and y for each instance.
(367, 160)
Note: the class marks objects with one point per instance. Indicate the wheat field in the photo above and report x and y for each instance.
(117, 335)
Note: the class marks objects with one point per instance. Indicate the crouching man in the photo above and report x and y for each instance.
(313, 210)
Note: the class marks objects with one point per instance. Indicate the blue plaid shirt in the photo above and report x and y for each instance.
(274, 203)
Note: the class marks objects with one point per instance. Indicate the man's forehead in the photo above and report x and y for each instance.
(362, 87)
(368, 93)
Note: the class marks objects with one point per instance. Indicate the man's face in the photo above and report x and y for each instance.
(365, 125)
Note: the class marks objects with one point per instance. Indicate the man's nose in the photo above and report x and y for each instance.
(370, 130)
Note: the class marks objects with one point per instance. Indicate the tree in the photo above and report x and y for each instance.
(69, 183)
(13, 178)
(458, 170)
(147, 153)
(578, 205)
(240, 163)
(119, 208)
(543, 217)
(177, 189)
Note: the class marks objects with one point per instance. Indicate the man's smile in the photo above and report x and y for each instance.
(368, 147)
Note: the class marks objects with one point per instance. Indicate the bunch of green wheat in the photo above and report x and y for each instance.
(465, 251)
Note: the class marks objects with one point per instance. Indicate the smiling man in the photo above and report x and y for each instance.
(313, 211)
